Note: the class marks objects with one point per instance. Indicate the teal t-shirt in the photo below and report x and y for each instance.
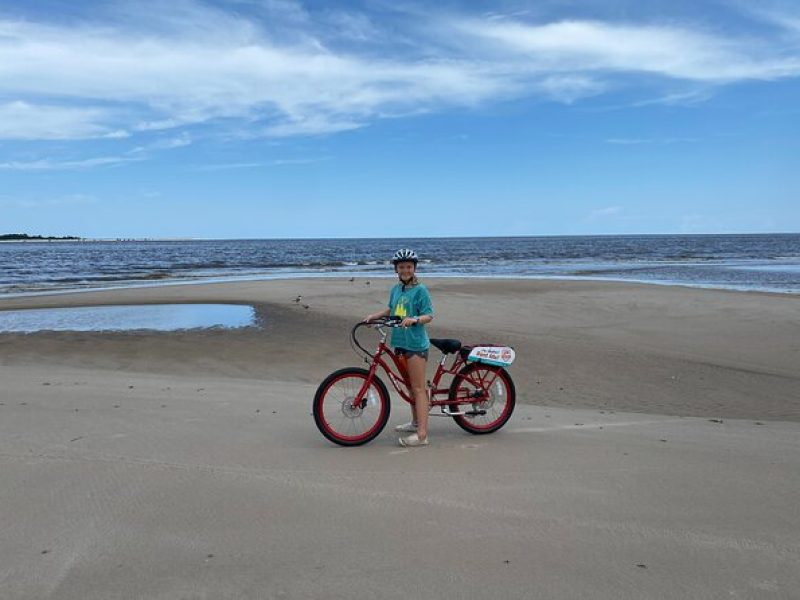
(412, 302)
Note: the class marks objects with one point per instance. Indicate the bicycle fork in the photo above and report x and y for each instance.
(362, 396)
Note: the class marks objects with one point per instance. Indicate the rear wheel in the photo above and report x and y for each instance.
(486, 394)
(336, 416)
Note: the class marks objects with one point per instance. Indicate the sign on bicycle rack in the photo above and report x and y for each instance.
(501, 356)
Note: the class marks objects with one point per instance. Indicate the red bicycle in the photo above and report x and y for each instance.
(351, 406)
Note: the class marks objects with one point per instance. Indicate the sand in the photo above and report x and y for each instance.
(657, 349)
(654, 452)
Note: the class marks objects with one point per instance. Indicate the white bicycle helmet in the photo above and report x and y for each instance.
(404, 255)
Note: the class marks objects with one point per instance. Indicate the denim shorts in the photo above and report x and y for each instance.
(410, 353)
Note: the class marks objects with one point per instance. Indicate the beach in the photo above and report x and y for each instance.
(640, 348)
(654, 451)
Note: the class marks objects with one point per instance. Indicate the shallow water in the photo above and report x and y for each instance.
(158, 317)
(747, 262)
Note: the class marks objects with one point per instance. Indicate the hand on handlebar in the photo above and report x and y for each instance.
(383, 320)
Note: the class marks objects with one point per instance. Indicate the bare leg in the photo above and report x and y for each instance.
(419, 411)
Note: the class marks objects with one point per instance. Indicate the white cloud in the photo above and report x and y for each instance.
(668, 51)
(252, 165)
(179, 141)
(569, 88)
(135, 154)
(177, 80)
(782, 15)
(310, 126)
(25, 121)
(58, 165)
(684, 98)
(116, 135)
(157, 125)
(159, 67)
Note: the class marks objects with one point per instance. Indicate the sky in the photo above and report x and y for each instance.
(288, 119)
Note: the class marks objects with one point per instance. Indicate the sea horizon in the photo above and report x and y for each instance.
(437, 237)
(746, 262)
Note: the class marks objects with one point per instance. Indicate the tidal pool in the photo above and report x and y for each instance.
(157, 317)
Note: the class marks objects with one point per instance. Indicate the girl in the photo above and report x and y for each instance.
(411, 300)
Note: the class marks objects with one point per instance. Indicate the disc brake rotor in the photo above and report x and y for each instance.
(349, 410)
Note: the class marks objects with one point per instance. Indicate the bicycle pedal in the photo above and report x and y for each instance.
(475, 413)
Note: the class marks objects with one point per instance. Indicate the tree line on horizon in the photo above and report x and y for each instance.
(25, 236)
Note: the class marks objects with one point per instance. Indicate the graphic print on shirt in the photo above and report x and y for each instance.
(400, 309)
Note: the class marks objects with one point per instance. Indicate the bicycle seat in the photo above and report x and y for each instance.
(447, 346)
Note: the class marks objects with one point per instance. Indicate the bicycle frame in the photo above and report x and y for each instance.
(437, 396)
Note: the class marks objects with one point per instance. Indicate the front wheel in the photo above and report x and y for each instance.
(486, 394)
(335, 414)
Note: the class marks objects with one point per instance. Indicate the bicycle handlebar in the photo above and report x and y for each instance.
(377, 323)
(384, 322)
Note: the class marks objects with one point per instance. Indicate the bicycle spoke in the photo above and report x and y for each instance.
(340, 415)
(494, 393)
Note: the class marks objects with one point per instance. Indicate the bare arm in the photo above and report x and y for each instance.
(420, 320)
(384, 313)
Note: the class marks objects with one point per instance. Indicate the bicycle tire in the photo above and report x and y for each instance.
(323, 421)
(510, 393)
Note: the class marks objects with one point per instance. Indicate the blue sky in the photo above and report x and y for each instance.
(276, 118)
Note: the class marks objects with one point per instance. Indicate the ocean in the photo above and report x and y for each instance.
(764, 262)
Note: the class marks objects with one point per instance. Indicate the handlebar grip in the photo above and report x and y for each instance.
(387, 321)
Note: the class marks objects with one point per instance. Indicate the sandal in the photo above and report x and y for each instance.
(412, 440)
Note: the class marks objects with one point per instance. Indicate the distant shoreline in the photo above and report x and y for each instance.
(90, 240)
(445, 237)
(24, 237)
